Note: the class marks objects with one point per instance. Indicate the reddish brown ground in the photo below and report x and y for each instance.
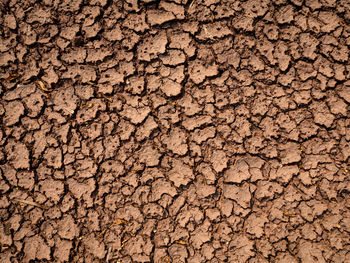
(174, 131)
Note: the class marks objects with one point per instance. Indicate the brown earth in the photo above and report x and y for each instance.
(174, 131)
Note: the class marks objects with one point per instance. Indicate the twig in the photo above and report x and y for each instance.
(69, 110)
(124, 242)
(180, 242)
(107, 98)
(121, 222)
(42, 86)
(91, 83)
(11, 77)
(191, 3)
(108, 254)
(31, 203)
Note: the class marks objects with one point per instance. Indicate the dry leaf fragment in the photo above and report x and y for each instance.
(165, 259)
(289, 214)
(121, 222)
(91, 83)
(102, 233)
(180, 242)
(4, 247)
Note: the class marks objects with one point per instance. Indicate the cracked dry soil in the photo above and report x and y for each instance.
(174, 131)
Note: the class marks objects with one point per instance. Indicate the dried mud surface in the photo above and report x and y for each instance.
(174, 131)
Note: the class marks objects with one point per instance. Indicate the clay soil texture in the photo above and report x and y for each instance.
(174, 131)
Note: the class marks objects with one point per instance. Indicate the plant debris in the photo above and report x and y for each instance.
(27, 202)
(41, 85)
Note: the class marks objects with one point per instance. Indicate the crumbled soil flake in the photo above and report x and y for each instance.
(255, 224)
(201, 135)
(199, 71)
(95, 247)
(171, 88)
(146, 129)
(62, 250)
(238, 173)
(135, 115)
(174, 131)
(201, 235)
(35, 248)
(219, 161)
(180, 174)
(52, 189)
(284, 174)
(83, 190)
(290, 153)
(149, 156)
(240, 249)
(34, 104)
(158, 17)
(160, 187)
(53, 157)
(13, 111)
(67, 228)
(240, 194)
(152, 46)
(176, 142)
(17, 154)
